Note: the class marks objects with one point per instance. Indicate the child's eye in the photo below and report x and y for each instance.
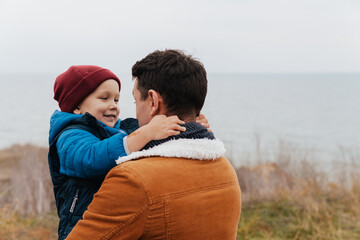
(103, 98)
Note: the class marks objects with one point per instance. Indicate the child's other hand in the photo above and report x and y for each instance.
(162, 127)
(203, 121)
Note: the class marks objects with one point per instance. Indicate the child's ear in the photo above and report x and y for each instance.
(77, 110)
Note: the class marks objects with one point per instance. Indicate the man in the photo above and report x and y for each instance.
(176, 188)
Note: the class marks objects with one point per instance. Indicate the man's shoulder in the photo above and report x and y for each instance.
(156, 165)
(172, 175)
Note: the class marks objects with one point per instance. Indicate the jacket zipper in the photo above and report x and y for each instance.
(73, 204)
(74, 201)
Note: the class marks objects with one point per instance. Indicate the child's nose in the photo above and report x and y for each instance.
(113, 105)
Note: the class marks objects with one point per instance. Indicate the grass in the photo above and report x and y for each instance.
(15, 226)
(317, 209)
(321, 217)
(318, 206)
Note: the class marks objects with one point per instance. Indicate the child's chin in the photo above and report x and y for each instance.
(110, 124)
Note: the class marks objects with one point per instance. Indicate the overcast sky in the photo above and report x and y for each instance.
(227, 36)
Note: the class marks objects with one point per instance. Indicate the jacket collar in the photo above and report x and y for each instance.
(60, 120)
(197, 149)
(193, 131)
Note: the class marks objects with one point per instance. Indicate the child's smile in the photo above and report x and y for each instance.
(110, 117)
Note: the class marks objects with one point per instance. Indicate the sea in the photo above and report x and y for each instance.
(250, 113)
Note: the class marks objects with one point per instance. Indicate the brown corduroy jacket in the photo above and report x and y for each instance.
(182, 189)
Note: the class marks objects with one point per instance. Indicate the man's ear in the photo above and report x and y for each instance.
(155, 101)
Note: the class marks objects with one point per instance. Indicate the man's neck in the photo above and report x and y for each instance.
(189, 119)
(193, 131)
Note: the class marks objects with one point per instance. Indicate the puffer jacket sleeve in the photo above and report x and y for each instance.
(119, 209)
(84, 155)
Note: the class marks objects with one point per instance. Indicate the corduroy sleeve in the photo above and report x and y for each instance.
(118, 210)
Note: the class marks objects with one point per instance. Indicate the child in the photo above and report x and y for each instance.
(87, 136)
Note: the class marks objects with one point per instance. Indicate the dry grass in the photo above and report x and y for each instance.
(285, 195)
(312, 214)
(27, 209)
(299, 200)
(25, 182)
(15, 226)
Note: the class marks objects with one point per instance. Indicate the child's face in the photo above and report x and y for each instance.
(102, 103)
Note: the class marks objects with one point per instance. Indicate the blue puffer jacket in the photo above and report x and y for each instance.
(82, 151)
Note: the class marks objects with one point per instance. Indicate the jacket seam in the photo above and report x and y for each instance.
(168, 224)
(167, 220)
(147, 192)
(118, 229)
(199, 190)
(139, 178)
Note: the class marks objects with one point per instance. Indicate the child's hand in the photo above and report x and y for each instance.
(203, 121)
(162, 127)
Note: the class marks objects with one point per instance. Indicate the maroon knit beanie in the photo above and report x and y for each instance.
(78, 82)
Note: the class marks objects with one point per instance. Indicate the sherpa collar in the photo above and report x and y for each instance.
(198, 149)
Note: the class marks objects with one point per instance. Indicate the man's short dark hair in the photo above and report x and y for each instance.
(178, 78)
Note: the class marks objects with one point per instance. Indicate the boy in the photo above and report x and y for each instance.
(87, 136)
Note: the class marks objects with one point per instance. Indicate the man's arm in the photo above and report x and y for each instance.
(118, 210)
